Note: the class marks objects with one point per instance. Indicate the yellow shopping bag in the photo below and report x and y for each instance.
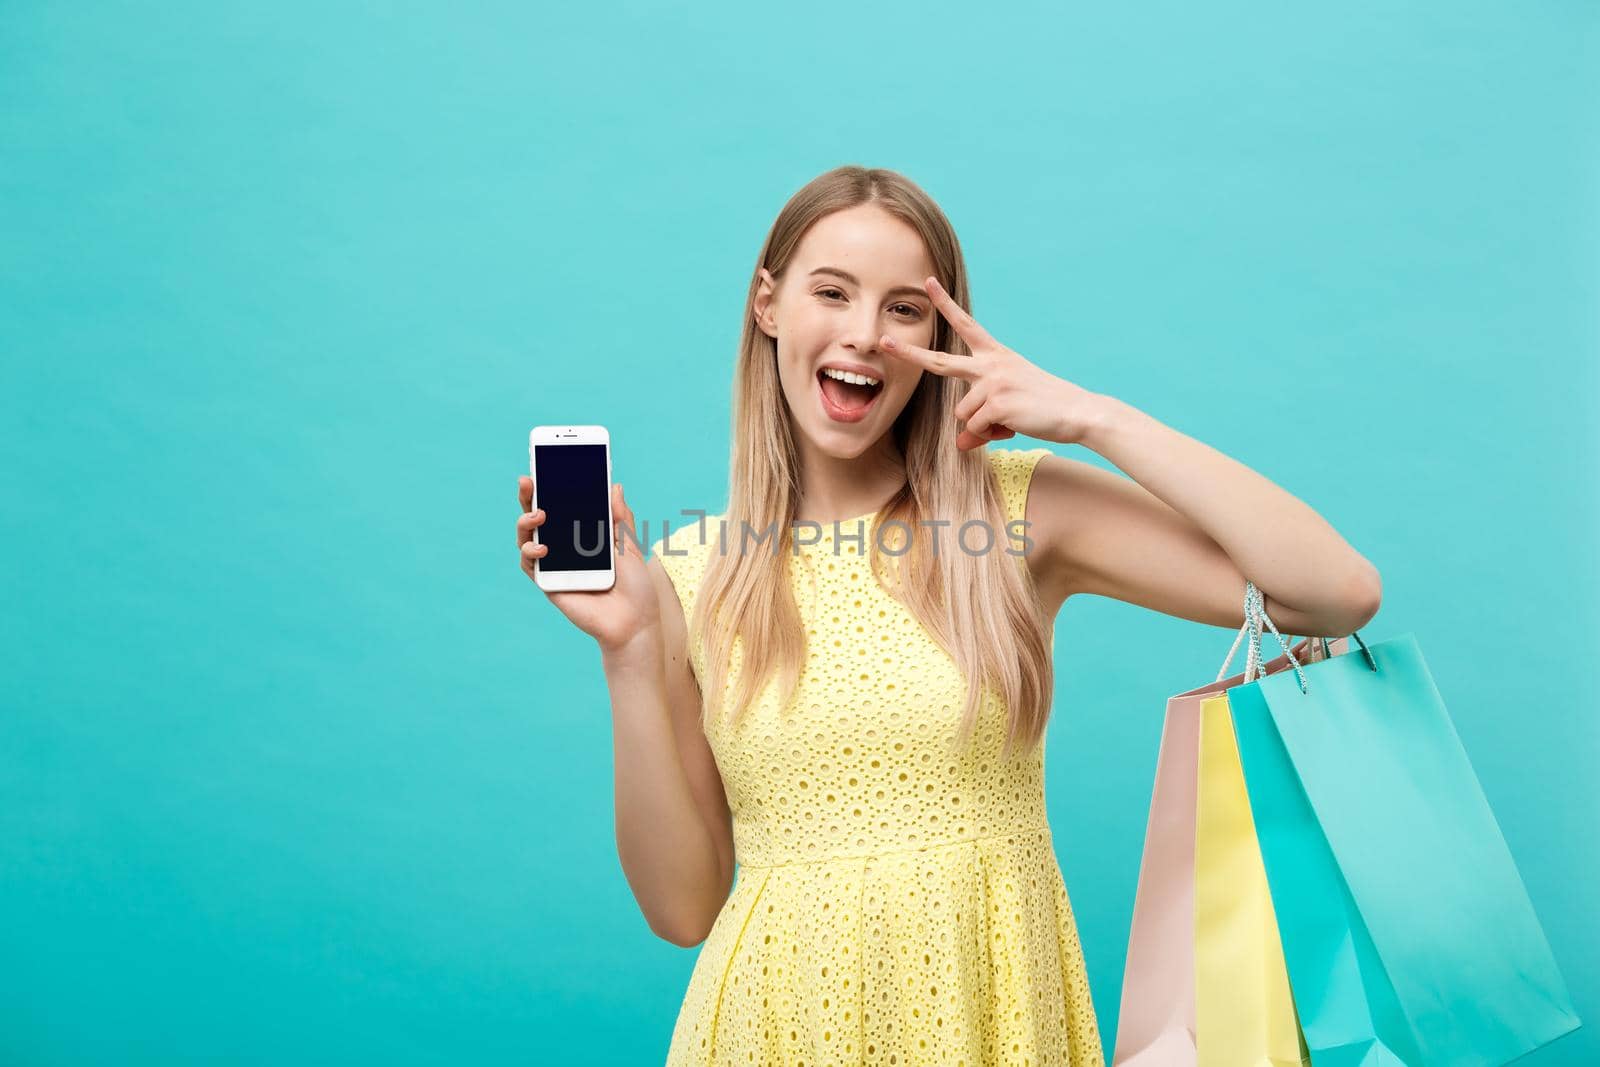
(1244, 1012)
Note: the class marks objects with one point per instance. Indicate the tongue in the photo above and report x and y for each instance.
(846, 394)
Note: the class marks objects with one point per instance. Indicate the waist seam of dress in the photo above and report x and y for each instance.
(1045, 828)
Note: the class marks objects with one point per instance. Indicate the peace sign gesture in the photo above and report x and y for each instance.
(1006, 394)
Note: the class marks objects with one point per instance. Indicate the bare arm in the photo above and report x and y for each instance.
(1180, 536)
(674, 830)
(674, 833)
(1101, 533)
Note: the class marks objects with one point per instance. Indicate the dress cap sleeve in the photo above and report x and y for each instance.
(1014, 468)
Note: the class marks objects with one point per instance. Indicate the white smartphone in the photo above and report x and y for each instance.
(571, 468)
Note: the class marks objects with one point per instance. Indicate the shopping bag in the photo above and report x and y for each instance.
(1156, 1024)
(1244, 1013)
(1407, 932)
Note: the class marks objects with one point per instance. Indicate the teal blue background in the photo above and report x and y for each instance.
(297, 767)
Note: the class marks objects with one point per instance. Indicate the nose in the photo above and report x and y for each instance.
(863, 330)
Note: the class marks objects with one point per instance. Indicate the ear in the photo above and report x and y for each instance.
(766, 290)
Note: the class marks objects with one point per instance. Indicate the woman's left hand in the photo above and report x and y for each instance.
(1007, 395)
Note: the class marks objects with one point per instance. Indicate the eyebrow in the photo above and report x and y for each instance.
(913, 290)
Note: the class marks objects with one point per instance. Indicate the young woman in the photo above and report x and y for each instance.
(841, 683)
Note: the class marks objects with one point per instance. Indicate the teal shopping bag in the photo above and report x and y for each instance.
(1407, 931)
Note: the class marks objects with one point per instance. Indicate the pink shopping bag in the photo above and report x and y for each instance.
(1156, 1020)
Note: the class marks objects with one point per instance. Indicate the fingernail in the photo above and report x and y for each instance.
(888, 342)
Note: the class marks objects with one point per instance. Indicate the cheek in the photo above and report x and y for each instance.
(794, 375)
(807, 327)
(906, 386)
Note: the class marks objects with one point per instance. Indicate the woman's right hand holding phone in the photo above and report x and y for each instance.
(614, 617)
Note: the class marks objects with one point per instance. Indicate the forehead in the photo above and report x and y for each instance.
(869, 243)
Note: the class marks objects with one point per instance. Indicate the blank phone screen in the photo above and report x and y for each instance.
(572, 487)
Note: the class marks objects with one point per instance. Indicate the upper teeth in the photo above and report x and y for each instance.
(847, 376)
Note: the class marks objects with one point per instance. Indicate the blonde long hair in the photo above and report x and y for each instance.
(981, 609)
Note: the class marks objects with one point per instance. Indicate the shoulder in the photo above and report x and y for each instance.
(1075, 512)
(683, 552)
(1053, 494)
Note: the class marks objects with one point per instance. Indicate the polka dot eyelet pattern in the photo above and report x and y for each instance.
(898, 899)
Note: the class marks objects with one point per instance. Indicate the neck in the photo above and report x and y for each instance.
(833, 488)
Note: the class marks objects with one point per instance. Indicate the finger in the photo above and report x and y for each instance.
(622, 518)
(619, 506)
(997, 432)
(527, 523)
(529, 554)
(525, 492)
(967, 440)
(981, 420)
(956, 315)
(945, 363)
(985, 423)
(970, 403)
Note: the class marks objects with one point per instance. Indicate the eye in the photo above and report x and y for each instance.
(910, 311)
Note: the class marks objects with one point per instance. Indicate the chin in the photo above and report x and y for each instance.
(832, 445)
(843, 438)
(847, 440)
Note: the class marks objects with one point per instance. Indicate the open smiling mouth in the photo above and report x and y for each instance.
(846, 397)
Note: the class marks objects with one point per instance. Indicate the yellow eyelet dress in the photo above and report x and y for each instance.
(898, 899)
